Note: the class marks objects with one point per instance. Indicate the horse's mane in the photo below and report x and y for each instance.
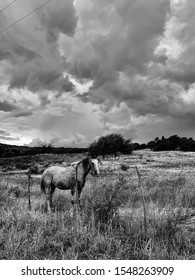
(85, 163)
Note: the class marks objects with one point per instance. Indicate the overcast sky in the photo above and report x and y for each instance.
(76, 70)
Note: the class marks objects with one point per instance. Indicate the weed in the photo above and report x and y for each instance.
(124, 167)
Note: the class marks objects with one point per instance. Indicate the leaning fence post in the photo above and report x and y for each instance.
(29, 202)
(143, 199)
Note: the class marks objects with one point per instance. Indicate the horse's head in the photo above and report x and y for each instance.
(89, 164)
(95, 166)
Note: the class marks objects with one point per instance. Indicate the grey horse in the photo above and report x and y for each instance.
(67, 178)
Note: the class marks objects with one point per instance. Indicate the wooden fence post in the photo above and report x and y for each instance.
(29, 179)
(143, 199)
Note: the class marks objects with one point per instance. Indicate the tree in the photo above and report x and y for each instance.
(156, 140)
(135, 146)
(2, 150)
(8, 153)
(151, 145)
(110, 144)
(128, 147)
(46, 147)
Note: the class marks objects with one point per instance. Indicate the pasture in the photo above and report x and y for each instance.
(110, 223)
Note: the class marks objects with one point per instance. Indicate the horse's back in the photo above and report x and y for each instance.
(61, 177)
(58, 170)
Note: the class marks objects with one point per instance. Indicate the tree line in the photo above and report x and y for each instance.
(110, 144)
(8, 151)
(172, 143)
(106, 145)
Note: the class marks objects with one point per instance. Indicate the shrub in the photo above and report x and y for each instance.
(8, 154)
(103, 203)
(124, 167)
(21, 165)
(110, 144)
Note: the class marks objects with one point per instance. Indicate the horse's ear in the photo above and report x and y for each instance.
(88, 158)
(99, 160)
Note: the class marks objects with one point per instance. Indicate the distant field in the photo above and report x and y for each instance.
(110, 224)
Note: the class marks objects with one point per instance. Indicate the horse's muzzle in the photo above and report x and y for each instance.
(94, 173)
(97, 173)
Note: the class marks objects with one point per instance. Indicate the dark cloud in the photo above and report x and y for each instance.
(10, 49)
(6, 106)
(60, 18)
(122, 61)
(5, 135)
(34, 80)
(117, 56)
(183, 74)
(9, 138)
(21, 113)
(181, 68)
(137, 56)
(35, 62)
(67, 85)
(162, 59)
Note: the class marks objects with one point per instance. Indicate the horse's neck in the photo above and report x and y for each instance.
(81, 174)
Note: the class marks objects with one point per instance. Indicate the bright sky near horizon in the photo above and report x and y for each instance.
(76, 70)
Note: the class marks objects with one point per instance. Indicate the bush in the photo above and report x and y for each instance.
(21, 165)
(110, 145)
(103, 203)
(8, 154)
(124, 167)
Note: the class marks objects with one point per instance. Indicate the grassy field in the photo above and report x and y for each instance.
(111, 223)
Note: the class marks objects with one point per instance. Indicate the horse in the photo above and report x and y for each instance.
(68, 178)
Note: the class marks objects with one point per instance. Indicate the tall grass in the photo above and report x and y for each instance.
(109, 224)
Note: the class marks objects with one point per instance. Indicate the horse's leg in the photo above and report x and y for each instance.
(44, 190)
(79, 194)
(79, 190)
(52, 189)
(76, 189)
(49, 190)
(73, 189)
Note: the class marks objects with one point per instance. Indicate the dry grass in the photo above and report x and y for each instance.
(110, 223)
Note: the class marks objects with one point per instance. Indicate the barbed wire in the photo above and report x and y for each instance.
(7, 6)
(5, 29)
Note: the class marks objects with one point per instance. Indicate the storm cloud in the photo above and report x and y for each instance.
(30, 48)
(79, 69)
(136, 52)
(5, 135)
(6, 106)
